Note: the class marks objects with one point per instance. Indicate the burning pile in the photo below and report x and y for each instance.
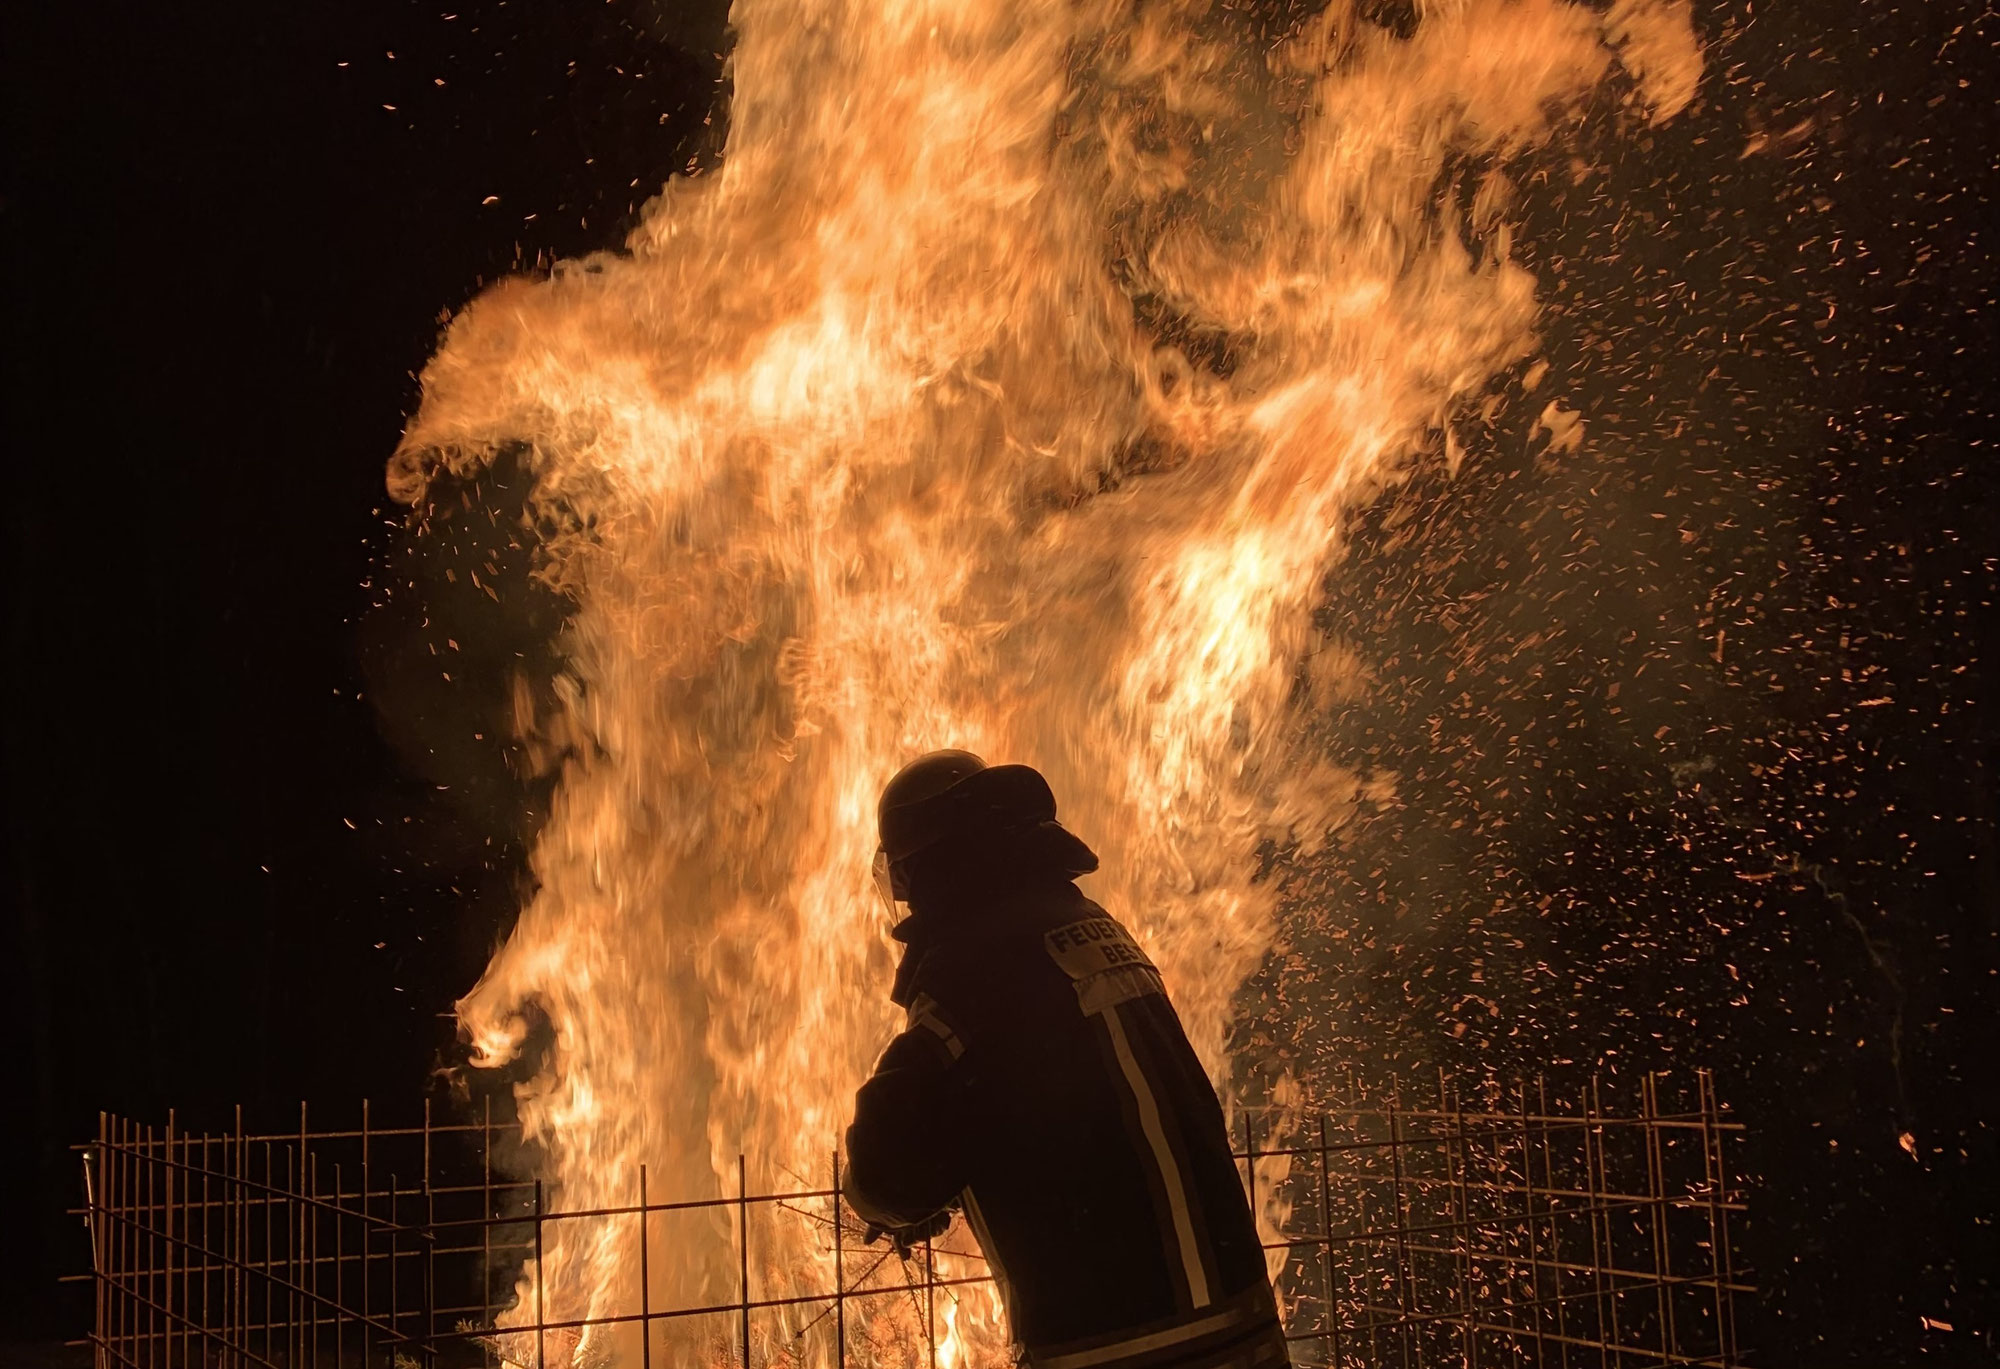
(1004, 388)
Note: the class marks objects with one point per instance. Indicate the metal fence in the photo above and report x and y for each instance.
(1513, 1229)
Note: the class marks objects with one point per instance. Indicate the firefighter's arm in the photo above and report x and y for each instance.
(906, 1150)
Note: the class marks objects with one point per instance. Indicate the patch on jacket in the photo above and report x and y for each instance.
(923, 1012)
(1103, 961)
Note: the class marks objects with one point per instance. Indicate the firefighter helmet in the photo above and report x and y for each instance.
(948, 794)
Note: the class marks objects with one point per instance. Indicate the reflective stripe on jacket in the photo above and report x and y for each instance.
(1043, 1084)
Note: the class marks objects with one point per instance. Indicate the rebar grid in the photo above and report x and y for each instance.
(1516, 1232)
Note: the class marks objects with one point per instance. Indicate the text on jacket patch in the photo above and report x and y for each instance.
(1093, 946)
(1103, 962)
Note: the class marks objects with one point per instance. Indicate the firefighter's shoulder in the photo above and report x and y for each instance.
(1102, 960)
(990, 985)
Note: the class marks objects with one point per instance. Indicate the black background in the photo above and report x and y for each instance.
(254, 853)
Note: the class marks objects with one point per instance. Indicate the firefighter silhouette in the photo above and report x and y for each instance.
(1043, 1086)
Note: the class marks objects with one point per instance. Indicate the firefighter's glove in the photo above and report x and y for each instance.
(906, 1238)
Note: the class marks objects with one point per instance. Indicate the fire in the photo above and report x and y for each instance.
(1004, 388)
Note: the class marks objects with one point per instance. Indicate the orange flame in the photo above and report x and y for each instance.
(1005, 388)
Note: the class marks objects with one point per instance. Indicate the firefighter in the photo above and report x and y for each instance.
(1043, 1086)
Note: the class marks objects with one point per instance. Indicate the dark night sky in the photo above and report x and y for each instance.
(248, 862)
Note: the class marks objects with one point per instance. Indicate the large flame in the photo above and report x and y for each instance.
(1004, 388)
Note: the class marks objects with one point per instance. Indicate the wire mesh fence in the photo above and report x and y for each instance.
(1511, 1229)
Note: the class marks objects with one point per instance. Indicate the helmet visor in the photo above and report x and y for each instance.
(885, 883)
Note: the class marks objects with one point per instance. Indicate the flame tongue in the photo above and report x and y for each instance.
(1004, 389)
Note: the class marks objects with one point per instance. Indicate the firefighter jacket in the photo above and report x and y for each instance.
(1044, 1085)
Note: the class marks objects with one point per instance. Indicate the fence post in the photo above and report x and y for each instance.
(168, 1248)
(114, 1193)
(270, 1262)
(1326, 1249)
(1720, 1263)
(1604, 1255)
(645, 1278)
(367, 1283)
(339, 1264)
(486, 1216)
(541, 1276)
(295, 1245)
(239, 1229)
(197, 1205)
(1535, 1263)
(743, 1246)
(94, 1195)
(429, 1239)
(839, 1276)
(1456, 1165)
(312, 1259)
(1406, 1274)
(1656, 1192)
